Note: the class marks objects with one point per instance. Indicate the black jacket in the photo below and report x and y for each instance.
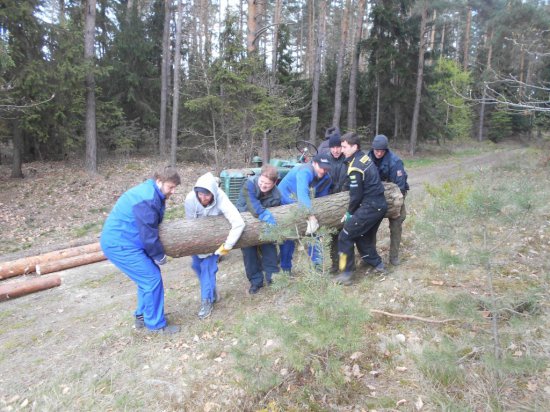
(365, 184)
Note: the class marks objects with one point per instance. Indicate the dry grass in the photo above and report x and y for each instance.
(72, 348)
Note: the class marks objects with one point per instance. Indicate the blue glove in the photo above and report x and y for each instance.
(267, 217)
(161, 261)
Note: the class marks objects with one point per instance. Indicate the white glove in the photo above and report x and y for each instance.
(312, 225)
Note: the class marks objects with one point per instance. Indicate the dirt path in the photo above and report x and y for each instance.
(73, 347)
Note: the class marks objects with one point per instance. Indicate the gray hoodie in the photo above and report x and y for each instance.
(220, 205)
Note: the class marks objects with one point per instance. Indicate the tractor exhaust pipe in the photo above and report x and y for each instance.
(265, 148)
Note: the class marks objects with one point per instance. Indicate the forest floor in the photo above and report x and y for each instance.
(304, 343)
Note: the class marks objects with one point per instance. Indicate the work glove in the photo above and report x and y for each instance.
(222, 250)
(267, 217)
(312, 225)
(162, 260)
(346, 217)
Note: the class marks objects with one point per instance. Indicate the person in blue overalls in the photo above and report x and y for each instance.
(257, 194)
(295, 187)
(207, 199)
(130, 240)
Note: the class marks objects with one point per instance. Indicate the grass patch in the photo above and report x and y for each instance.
(92, 227)
(97, 283)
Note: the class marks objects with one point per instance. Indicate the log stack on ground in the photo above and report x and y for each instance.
(11, 290)
(191, 237)
(28, 265)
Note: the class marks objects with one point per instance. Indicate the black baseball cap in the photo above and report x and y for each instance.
(322, 160)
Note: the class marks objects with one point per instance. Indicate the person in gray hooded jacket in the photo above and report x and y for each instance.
(207, 199)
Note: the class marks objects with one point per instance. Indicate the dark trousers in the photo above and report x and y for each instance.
(361, 230)
(260, 259)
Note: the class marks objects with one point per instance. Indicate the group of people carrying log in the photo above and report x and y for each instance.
(130, 235)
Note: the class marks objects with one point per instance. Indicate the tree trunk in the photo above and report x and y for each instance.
(164, 77)
(28, 265)
(187, 237)
(252, 28)
(17, 289)
(176, 96)
(467, 37)
(487, 70)
(340, 66)
(419, 79)
(352, 100)
(91, 135)
(432, 32)
(311, 49)
(69, 262)
(276, 23)
(17, 161)
(317, 73)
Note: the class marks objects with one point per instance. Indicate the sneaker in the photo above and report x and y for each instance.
(344, 278)
(254, 289)
(395, 261)
(380, 269)
(139, 323)
(205, 309)
(167, 330)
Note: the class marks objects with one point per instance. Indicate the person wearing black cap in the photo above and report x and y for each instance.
(295, 187)
(391, 169)
(367, 207)
(340, 182)
(324, 147)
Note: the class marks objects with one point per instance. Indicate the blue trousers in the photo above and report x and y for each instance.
(287, 252)
(145, 273)
(206, 269)
(260, 259)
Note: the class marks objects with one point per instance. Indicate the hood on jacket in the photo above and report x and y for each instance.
(209, 182)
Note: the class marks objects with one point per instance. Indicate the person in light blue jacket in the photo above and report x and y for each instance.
(130, 240)
(295, 187)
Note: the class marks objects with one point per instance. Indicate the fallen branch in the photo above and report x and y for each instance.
(21, 288)
(412, 317)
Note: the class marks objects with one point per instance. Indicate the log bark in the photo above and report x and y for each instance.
(191, 237)
(70, 262)
(28, 265)
(21, 288)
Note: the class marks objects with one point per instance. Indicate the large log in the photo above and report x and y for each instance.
(190, 237)
(70, 262)
(28, 265)
(13, 290)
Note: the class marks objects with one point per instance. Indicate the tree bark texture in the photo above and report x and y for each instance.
(419, 79)
(165, 65)
(176, 97)
(251, 41)
(352, 100)
(191, 237)
(69, 262)
(17, 289)
(340, 66)
(317, 73)
(91, 134)
(29, 264)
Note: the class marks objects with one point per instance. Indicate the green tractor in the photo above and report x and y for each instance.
(231, 180)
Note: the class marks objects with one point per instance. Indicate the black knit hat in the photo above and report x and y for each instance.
(334, 141)
(380, 142)
(332, 131)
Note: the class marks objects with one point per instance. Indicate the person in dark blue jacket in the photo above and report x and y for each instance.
(366, 209)
(295, 187)
(257, 195)
(130, 240)
(391, 169)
